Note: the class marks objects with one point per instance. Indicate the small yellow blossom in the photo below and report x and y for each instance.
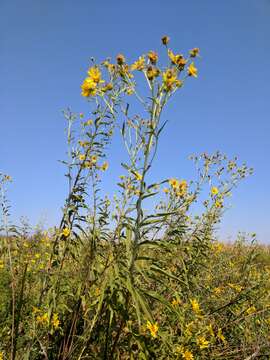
(107, 87)
(202, 342)
(170, 80)
(210, 330)
(218, 204)
(82, 157)
(153, 328)
(138, 176)
(217, 290)
(235, 287)
(35, 310)
(194, 52)
(1, 355)
(166, 190)
(43, 319)
(139, 64)
(251, 310)
(181, 188)
(94, 74)
(187, 355)
(221, 336)
(66, 232)
(214, 190)
(177, 59)
(173, 182)
(94, 159)
(176, 302)
(129, 91)
(105, 166)
(195, 306)
(152, 72)
(55, 321)
(192, 70)
(88, 122)
(88, 164)
(88, 87)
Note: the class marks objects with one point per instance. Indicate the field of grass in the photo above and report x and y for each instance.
(115, 280)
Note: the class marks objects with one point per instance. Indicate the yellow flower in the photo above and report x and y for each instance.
(192, 70)
(202, 342)
(187, 355)
(210, 330)
(214, 190)
(107, 87)
(88, 165)
(66, 232)
(151, 73)
(82, 157)
(43, 319)
(1, 264)
(218, 204)
(129, 91)
(173, 182)
(35, 310)
(195, 306)
(178, 59)
(194, 52)
(181, 188)
(88, 87)
(166, 190)
(217, 290)
(176, 302)
(93, 159)
(139, 64)
(221, 336)
(165, 40)
(251, 310)
(97, 291)
(105, 166)
(94, 74)
(1, 355)
(137, 192)
(170, 80)
(88, 122)
(153, 57)
(153, 328)
(138, 176)
(55, 321)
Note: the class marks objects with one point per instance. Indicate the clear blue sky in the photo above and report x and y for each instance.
(45, 47)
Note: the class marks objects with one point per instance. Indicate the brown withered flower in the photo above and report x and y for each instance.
(165, 40)
(120, 59)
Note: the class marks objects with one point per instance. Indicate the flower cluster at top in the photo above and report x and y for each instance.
(168, 78)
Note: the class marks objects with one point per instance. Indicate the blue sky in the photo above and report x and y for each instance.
(45, 47)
